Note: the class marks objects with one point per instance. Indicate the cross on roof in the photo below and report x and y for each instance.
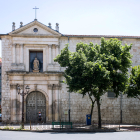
(35, 11)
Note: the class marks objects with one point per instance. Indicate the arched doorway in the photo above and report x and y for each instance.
(35, 102)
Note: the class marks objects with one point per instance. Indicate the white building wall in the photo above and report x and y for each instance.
(110, 107)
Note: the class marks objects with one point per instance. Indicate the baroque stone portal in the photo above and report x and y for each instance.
(36, 65)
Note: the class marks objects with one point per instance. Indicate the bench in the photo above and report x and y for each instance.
(61, 124)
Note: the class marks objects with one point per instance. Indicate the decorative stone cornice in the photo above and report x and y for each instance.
(21, 45)
(15, 85)
(14, 44)
(32, 24)
(54, 86)
(57, 46)
(49, 45)
(46, 73)
(53, 46)
(35, 35)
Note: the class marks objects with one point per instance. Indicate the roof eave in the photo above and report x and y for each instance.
(105, 36)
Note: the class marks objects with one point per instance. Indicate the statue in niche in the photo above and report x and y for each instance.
(36, 65)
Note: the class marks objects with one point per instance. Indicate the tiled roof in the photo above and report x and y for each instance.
(99, 36)
(93, 36)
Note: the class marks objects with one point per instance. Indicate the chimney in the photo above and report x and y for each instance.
(21, 24)
(57, 27)
(50, 25)
(13, 26)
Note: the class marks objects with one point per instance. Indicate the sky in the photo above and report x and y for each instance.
(78, 17)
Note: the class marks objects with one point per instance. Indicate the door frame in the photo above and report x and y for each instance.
(47, 103)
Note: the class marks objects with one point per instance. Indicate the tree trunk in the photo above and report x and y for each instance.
(99, 113)
(92, 105)
(92, 109)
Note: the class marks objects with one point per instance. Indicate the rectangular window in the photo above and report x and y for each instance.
(39, 56)
(110, 94)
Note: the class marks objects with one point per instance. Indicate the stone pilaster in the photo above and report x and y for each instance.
(21, 53)
(53, 53)
(54, 101)
(57, 105)
(13, 103)
(50, 54)
(17, 57)
(14, 53)
(17, 54)
(50, 105)
(57, 51)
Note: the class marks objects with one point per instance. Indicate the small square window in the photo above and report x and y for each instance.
(110, 94)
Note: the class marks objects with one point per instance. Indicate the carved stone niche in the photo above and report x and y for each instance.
(54, 86)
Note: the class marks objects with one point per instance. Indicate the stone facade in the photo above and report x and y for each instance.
(16, 47)
(0, 82)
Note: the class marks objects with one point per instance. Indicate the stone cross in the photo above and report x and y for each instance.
(35, 11)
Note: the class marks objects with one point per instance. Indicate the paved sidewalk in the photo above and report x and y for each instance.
(76, 128)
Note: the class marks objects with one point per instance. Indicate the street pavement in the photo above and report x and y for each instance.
(20, 135)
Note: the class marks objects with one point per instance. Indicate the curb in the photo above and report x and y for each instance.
(63, 131)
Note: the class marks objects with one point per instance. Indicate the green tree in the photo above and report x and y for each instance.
(133, 87)
(93, 69)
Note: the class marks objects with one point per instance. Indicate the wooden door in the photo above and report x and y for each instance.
(36, 102)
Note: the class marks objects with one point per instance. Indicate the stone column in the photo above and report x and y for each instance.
(50, 104)
(54, 101)
(20, 116)
(44, 59)
(50, 54)
(47, 55)
(14, 102)
(14, 52)
(58, 88)
(53, 53)
(21, 53)
(17, 54)
(57, 51)
(57, 105)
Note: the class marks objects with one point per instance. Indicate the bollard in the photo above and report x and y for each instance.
(30, 126)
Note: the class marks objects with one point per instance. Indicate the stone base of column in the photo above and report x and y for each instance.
(15, 66)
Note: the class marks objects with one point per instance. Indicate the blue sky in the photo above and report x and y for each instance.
(79, 17)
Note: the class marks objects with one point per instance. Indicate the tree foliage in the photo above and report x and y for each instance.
(133, 88)
(94, 69)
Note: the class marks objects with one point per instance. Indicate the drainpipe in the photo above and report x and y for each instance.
(121, 105)
(52, 104)
(69, 92)
(121, 108)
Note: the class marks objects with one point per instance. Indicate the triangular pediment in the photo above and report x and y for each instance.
(35, 28)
